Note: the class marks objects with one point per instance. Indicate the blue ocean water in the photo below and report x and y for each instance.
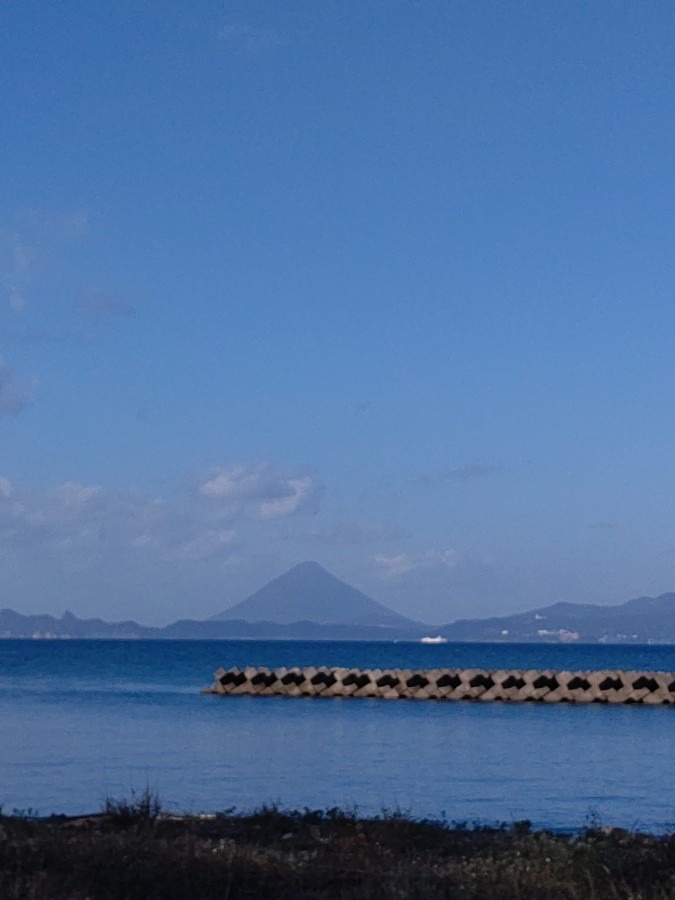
(82, 720)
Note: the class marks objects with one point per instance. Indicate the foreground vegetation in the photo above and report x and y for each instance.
(133, 850)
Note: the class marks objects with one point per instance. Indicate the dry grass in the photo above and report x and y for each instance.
(134, 851)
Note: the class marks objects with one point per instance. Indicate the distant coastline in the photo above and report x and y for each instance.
(307, 603)
(304, 631)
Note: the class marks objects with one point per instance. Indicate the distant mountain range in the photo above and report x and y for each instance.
(305, 603)
(643, 620)
(308, 603)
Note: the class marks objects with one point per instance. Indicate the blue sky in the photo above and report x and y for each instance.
(387, 285)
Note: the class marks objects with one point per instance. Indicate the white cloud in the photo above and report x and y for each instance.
(5, 487)
(263, 490)
(236, 483)
(300, 491)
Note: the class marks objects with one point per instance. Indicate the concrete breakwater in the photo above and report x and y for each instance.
(547, 686)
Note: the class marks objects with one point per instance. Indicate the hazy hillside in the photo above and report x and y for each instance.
(16, 625)
(643, 620)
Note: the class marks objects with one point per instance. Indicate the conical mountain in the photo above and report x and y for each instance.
(308, 593)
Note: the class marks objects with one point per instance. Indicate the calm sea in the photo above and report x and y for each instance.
(82, 720)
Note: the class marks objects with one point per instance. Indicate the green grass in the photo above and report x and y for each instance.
(133, 850)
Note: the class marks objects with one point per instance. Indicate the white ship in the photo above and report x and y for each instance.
(434, 640)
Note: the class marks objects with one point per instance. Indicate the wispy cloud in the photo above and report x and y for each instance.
(32, 336)
(28, 243)
(52, 226)
(14, 395)
(209, 543)
(17, 268)
(101, 306)
(72, 494)
(33, 247)
(467, 472)
(356, 533)
(399, 564)
(76, 524)
(250, 37)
